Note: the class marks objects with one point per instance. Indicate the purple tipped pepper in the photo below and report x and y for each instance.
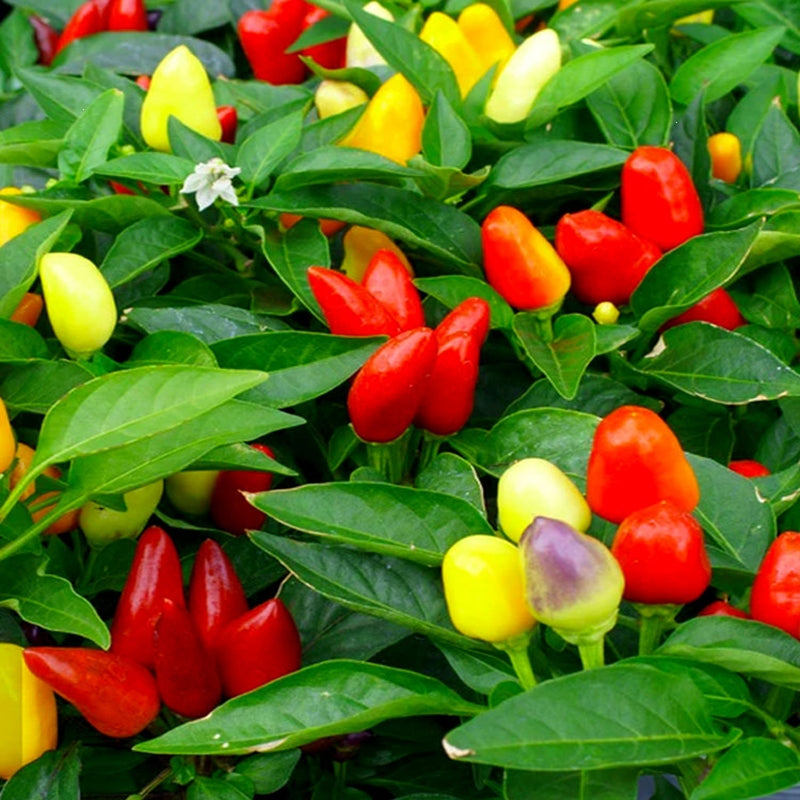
(572, 583)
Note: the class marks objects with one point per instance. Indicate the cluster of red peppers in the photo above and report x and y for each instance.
(421, 376)
(188, 656)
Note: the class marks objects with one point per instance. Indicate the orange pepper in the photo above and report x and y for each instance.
(28, 310)
(14, 219)
(726, 156)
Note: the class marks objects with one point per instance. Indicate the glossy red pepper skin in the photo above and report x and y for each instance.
(216, 595)
(257, 648)
(86, 20)
(775, 596)
(387, 391)
(186, 674)
(330, 55)
(46, 38)
(228, 120)
(749, 468)
(659, 200)
(606, 260)
(717, 307)
(115, 694)
(450, 394)
(663, 555)
(155, 575)
(103, 9)
(348, 307)
(230, 509)
(634, 462)
(721, 608)
(127, 15)
(387, 279)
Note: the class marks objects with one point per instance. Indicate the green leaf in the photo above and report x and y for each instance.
(746, 646)
(262, 152)
(744, 207)
(186, 142)
(564, 358)
(721, 66)
(32, 144)
(269, 771)
(446, 140)
(778, 240)
(392, 589)
(599, 784)
(774, 12)
(589, 20)
(616, 716)
(156, 168)
(48, 600)
(772, 301)
(38, 385)
(453, 475)
(52, 776)
(145, 244)
(63, 98)
(776, 151)
(202, 788)
(380, 518)
(20, 343)
(662, 13)
(483, 672)
(451, 290)
(325, 699)
(91, 136)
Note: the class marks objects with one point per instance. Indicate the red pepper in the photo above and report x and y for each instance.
(635, 461)
(659, 199)
(349, 308)
(521, 265)
(775, 596)
(265, 35)
(749, 468)
(230, 509)
(104, 9)
(155, 576)
(387, 279)
(86, 20)
(330, 55)
(186, 674)
(115, 694)
(46, 38)
(450, 394)
(663, 555)
(257, 648)
(216, 595)
(387, 391)
(127, 15)
(722, 608)
(606, 260)
(717, 307)
(228, 120)
(143, 81)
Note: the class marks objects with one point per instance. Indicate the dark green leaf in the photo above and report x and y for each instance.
(261, 153)
(454, 289)
(597, 784)
(446, 138)
(155, 168)
(53, 776)
(455, 476)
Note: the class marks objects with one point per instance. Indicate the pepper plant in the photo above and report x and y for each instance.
(300, 303)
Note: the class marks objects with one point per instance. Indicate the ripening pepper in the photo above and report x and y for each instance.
(717, 307)
(102, 525)
(444, 35)
(749, 468)
(335, 97)
(13, 218)
(230, 509)
(359, 51)
(520, 264)
(179, 87)
(483, 588)
(330, 54)
(155, 575)
(659, 199)
(634, 462)
(190, 491)
(485, 31)
(79, 302)
(28, 711)
(391, 124)
(8, 443)
(387, 391)
(572, 582)
(663, 555)
(328, 227)
(85, 21)
(449, 396)
(524, 75)
(266, 34)
(349, 308)
(533, 487)
(387, 280)
(360, 245)
(115, 694)
(28, 310)
(606, 260)
(46, 38)
(726, 156)
(127, 15)
(775, 596)
(258, 647)
(722, 608)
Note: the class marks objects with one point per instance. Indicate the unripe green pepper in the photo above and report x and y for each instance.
(79, 302)
(179, 87)
(533, 488)
(190, 491)
(102, 525)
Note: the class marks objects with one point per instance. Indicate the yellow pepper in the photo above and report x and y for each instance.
(359, 51)
(562, 4)
(445, 36)
(485, 31)
(79, 302)
(605, 313)
(27, 710)
(14, 219)
(179, 87)
(391, 124)
(726, 156)
(190, 491)
(701, 17)
(484, 589)
(360, 245)
(335, 97)
(8, 445)
(534, 62)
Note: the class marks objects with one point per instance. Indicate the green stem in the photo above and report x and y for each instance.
(517, 650)
(340, 782)
(33, 532)
(650, 634)
(428, 450)
(162, 777)
(16, 493)
(389, 458)
(592, 653)
(779, 702)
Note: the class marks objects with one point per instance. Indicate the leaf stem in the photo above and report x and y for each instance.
(517, 650)
(592, 653)
(42, 524)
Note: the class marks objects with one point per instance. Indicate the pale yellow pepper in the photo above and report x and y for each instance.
(359, 51)
(360, 245)
(485, 31)
(445, 36)
(335, 97)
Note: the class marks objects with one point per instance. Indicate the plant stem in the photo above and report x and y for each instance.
(592, 653)
(43, 524)
(650, 633)
(162, 777)
(340, 783)
(517, 650)
(778, 702)
(389, 458)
